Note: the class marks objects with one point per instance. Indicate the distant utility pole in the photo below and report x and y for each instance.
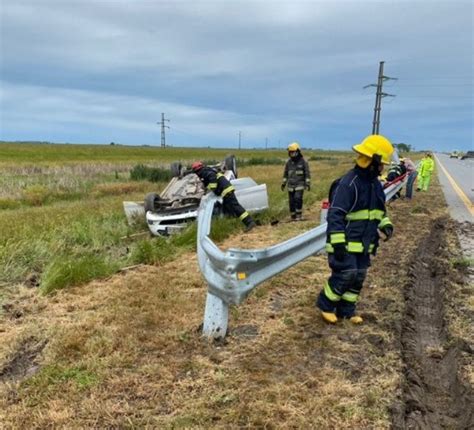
(240, 139)
(378, 98)
(163, 126)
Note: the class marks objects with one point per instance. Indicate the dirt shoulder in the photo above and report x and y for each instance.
(127, 352)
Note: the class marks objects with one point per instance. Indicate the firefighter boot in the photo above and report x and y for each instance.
(250, 226)
(329, 317)
(356, 319)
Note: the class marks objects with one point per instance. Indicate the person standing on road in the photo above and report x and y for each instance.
(297, 178)
(412, 174)
(221, 186)
(425, 169)
(356, 215)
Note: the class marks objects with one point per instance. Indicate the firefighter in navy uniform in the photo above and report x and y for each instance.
(355, 217)
(297, 178)
(221, 186)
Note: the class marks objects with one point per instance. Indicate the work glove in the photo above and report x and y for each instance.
(339, 251)
(282, 187)
(388, 232)
(308, 187)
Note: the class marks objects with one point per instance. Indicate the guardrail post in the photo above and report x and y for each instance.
(216, 317)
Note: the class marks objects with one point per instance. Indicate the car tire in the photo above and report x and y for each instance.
(176, 169)
(230, 163)
(151, 200)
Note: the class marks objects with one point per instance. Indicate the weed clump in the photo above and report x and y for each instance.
(74, 270)
(153, 174)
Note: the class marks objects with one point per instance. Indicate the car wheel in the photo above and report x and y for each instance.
(176, 168)
(230, 163)
(151, 202)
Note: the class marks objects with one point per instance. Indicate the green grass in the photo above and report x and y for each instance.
(52, 376)
(62, 217)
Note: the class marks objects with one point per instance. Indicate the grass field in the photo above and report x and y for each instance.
(62, 218)
(124, 350)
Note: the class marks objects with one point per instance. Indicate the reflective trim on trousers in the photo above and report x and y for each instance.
(350, 297)
(244, 215)
(330, 294)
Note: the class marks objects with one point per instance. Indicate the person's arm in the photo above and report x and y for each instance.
(285, 177)
(307, 175)
(342, 201)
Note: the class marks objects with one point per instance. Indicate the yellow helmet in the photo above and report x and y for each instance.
(375, 144)
(293, 146)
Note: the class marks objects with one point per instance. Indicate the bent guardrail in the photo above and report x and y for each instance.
(232, 274)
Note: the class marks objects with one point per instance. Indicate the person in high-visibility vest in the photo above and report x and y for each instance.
(356, 215)
(425, 169)
(221, 186)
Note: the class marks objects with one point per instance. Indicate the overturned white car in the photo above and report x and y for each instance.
(178, 203)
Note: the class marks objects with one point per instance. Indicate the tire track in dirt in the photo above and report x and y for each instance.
(434, 396)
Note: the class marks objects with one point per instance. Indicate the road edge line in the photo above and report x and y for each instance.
(457, 189)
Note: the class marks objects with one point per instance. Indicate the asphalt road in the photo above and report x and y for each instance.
(457, 180)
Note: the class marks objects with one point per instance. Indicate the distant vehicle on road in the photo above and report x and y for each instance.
(468, 154)
(454, 154)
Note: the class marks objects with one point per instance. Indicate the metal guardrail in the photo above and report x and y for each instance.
(231, 275)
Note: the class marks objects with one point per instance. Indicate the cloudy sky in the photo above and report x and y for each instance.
(96, 71)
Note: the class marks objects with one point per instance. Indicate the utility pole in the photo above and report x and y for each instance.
(240, 139)
(163, 126)
(378, 97)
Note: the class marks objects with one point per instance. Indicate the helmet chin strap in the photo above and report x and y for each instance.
(375, 166)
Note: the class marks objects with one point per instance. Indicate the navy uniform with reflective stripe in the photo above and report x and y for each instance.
(220, 185)
(296, 177)
(357, 210)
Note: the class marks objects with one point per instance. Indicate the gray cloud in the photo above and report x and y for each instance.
(279, 69)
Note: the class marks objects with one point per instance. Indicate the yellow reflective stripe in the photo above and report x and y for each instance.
(227, 190)
(212, 185)
(308, 180)
(350, 297)
(365, 214)
(220, 175)
(338, 238)
(385, 222)
(299, 188)
(376, 214)
(330, 294)
(355, 247)
(244, 215)
(284, 180)
(300, 172)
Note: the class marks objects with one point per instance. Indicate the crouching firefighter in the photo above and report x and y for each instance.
(221, 186)
(355, 217)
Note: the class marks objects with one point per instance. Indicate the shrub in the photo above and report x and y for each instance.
(259, 161)
(9, 204)
(153, 174)
(35, 195)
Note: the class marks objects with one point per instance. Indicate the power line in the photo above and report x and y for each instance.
(163, 126)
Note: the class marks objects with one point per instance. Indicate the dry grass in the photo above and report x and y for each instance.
(127, 352)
